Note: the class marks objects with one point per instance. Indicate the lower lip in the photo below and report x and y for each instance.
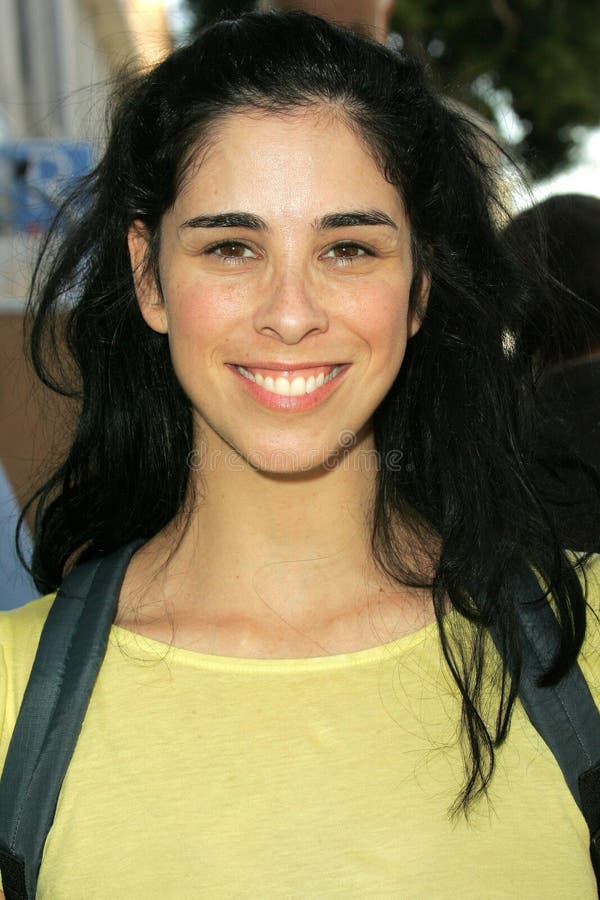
(289, 404)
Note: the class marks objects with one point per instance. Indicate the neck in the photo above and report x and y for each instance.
(283, 533)
(296, 540)
(273, 565)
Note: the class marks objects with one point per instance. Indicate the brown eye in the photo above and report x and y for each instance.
(231, 249)
(347, 251)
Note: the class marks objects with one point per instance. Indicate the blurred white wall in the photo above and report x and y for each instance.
(55, 56)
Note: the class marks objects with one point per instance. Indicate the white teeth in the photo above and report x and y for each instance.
(282, 386)
(246, 373)
(296, 388)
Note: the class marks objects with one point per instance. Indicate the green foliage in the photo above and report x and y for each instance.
(542, 55)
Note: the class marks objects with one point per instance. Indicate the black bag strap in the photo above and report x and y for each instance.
(71, 649)
(564, 714)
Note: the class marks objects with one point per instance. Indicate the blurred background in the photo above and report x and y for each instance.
(528, 67)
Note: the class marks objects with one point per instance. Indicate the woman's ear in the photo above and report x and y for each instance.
(148, 293)
(419, 297)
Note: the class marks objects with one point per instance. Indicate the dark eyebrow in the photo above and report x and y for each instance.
(227, 220)
(255, 223)
(347, 219)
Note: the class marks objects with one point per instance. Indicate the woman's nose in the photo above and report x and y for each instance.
(291, 309)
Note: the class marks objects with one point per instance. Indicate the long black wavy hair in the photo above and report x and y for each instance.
(459, 414)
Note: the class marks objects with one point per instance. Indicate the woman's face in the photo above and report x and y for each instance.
(285, 268)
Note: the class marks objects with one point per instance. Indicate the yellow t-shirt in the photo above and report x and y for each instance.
(199, 776)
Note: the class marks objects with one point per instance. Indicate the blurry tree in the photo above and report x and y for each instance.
(539, 57)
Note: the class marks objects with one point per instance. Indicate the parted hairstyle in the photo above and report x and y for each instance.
(458, 417)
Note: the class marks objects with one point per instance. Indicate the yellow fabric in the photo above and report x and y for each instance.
(220, 778)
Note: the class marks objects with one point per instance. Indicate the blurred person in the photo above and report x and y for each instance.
(288, 294)
(562, 335)
(16, 585)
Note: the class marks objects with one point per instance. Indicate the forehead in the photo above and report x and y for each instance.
(287, 162)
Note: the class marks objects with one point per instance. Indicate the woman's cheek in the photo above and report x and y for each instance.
(381, 314)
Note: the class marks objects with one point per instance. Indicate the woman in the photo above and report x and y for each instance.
(290, 301)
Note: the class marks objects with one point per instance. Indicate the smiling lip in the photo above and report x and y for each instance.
(289, 386)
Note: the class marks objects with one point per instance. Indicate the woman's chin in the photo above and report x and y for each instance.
(293, 462)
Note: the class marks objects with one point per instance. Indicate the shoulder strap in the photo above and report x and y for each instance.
(565, 714)
(71, 649)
